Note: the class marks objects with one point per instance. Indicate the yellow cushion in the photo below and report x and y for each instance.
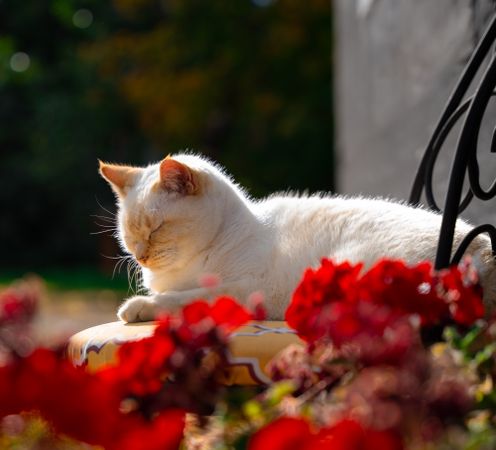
(251, 347)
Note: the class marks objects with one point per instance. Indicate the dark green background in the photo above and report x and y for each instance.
(247, 83)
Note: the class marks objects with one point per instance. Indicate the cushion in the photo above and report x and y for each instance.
(251, 347)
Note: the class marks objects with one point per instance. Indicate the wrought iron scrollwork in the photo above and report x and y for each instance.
(472, 109)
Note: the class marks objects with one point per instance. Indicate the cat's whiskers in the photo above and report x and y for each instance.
(113, 232)
(130, 263)
(134, 273)
(133, 280)
(117, 267)
(105, 209)
(104, 218)
(106, 227)
(140, 289)
(134, 276)
(120, 263)
(113, 227)
(109, 225)
(117, 257)
(121, 260)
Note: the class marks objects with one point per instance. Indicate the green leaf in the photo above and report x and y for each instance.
(485, 354)
(469, 339)
(277, 392)
(253, 410)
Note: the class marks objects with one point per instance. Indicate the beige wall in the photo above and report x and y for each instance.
(396, 61)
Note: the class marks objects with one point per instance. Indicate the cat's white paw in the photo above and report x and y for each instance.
(138, 309)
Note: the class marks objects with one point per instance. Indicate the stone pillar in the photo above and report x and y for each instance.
(396, 62)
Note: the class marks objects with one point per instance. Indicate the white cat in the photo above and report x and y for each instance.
(184, 217)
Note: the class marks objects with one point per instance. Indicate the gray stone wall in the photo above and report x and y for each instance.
(396, 62)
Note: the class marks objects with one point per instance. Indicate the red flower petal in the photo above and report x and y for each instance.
(285, 433)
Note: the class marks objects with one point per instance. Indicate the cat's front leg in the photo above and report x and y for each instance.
(144, 308)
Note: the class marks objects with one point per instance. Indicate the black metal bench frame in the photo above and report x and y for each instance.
(471, 109)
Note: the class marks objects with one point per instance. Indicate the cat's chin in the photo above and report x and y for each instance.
(150, 264)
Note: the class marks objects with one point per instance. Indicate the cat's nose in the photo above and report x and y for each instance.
(142, 260)
(140, 251)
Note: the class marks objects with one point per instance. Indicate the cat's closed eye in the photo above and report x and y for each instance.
(155, 230)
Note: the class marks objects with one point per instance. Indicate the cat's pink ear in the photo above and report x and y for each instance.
(120, 178)
(177, 177)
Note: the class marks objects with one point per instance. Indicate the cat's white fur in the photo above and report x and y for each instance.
(262, 245)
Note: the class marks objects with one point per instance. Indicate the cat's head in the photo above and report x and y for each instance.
(167, 211)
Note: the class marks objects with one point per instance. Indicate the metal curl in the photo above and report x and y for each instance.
(465, 156)
(452, 105)
(432, 155)
(467, 240)
(471, 129)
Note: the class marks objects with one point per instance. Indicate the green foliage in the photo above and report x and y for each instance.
(247, 85)
(56, 118)
(80, 278)
(137, 79)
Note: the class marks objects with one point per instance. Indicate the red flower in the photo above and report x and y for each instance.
(330, 301)
(228, 314)
(330, 284)
(144, 365)
(295, 434)
(18, 303)
(225, 313)
(350, 435)
(407, 290)
(329, 305)
(74, 401)
(285, 433)
(164, 432)
(462, 293)
(384, 337)
(66, 396)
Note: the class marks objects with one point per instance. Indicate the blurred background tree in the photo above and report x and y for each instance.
(245, 82)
